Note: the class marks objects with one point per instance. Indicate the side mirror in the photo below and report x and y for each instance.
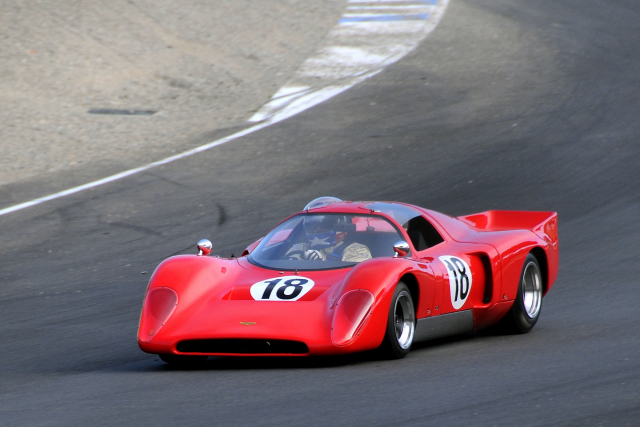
(204, 247)
(401, 248)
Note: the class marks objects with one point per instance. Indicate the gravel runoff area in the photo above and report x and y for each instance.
(202, 67)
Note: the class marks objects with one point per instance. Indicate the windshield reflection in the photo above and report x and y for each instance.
(311, 241)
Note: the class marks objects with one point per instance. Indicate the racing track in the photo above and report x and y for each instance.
(512, 104)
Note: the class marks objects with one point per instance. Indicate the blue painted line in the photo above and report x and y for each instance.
(379, 18)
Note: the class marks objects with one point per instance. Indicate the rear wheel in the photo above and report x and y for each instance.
(183, 361)
(526, 308)
(401, 324)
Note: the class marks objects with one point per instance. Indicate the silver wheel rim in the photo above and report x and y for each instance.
(531, 290)
(404, 320)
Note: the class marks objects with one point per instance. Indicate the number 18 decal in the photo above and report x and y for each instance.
(285, 288)
(459, 279)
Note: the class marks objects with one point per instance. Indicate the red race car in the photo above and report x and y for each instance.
(342, 277)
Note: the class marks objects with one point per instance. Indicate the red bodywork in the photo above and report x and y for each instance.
(202, 305)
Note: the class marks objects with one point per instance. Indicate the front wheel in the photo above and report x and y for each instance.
(401, 324)
(526, 308)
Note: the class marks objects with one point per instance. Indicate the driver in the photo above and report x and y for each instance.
(326, 242)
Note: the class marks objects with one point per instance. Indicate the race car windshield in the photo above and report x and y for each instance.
(314, 241)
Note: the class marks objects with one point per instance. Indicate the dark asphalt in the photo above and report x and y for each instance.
(509, 104)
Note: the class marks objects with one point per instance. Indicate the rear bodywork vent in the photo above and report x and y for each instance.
(242, 346)
(488, 278)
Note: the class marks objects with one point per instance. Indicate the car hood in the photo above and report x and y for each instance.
(253, 282)
(206, 279)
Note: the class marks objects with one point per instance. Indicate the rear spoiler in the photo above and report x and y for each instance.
(544, 224)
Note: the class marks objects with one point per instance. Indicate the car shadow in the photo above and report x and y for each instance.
(230, 363)
(240, 363)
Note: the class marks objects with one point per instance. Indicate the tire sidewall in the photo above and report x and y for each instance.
(521, 321)
(390, 344)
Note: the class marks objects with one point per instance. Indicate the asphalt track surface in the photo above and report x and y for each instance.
(510, 104)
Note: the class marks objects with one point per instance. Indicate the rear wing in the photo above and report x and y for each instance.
(544, 224)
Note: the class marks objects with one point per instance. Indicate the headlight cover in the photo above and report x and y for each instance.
(351, 311)
(158, 308)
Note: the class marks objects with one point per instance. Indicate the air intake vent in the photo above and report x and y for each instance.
(242, 346)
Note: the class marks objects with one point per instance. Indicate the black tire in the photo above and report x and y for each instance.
(183, 361)
(528, 303)
(401, 324)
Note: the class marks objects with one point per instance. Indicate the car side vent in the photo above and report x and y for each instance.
(488, 274)
(242, 346)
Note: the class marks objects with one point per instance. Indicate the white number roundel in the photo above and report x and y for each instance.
(459, 279)
(284, 288)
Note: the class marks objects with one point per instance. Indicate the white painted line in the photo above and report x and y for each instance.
(372, 15)
(391, 7)
(368, 37)
(283, 97)
(284, 92)
(353, 52)
(130, 172)
(316, 97)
